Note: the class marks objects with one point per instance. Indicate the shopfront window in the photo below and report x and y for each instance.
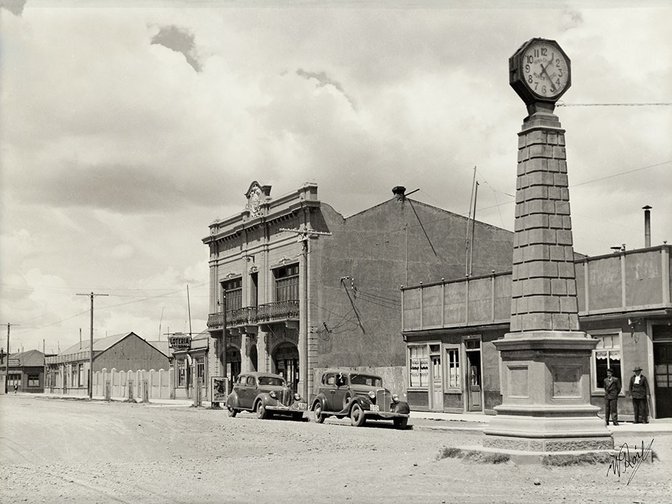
(73, 376)
(14, 379)
(418, 362)
(607, 354)
(80, 375)
(453, 373)
(33, 380)
(200, 370)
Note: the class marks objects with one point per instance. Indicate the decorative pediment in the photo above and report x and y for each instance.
(256, 196)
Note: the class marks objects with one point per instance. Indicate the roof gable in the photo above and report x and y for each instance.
(99, 345)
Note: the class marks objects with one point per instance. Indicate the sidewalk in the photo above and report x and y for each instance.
(479, 421)
(427, 419)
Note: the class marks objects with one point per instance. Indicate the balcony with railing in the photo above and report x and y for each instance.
(279, 311)
(268, 313)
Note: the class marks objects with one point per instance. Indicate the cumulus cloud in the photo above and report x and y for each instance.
(324, 80)
(179, 40)
(13, 6)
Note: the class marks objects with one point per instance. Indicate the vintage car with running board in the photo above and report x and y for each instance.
(266, 394)
(359, 396)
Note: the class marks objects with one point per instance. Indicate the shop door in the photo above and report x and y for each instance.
(662, 365)
(474, 376)
(286, 360)
(437, 383)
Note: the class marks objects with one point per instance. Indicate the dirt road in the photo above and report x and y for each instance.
(67, 451)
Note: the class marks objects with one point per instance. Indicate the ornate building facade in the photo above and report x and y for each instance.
(300, 288)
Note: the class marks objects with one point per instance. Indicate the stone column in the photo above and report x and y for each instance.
(545, 358)
(262, 355)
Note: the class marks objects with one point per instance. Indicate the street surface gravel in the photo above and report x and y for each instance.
(75, 451)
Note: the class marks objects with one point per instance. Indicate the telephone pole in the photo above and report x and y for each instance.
(7, 357)
(304, 233)
(90, 380)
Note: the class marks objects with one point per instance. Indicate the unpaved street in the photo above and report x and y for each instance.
(55, 451)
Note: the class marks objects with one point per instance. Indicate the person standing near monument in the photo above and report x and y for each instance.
(639, 391)
(612, 387)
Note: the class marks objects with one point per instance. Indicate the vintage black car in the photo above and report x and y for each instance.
(266, 394)
(360, 396)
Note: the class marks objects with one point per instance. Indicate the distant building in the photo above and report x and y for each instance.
(189, 364)
(68, 372)
(624, 302)
(26, 371)
(300, 288)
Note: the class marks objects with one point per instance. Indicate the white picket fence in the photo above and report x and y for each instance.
(140, 385)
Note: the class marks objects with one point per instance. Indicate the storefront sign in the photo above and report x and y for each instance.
(179, 343)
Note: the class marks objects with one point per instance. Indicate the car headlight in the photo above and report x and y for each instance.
(395, 398)
(297, 397)
(273, 394)
(372, 394)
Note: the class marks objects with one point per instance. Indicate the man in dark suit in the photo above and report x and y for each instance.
(639, 391)
(612, 387)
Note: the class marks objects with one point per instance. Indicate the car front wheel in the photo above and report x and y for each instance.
(401, 423)
(232, 411)
(357, 417)
(319, 417)
(262, 414)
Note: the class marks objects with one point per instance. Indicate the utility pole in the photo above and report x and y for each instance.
(304, 234)
(7, 357)
(90, 381)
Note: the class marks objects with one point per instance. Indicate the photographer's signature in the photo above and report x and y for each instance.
(625, 459)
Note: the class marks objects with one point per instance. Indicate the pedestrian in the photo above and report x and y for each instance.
(16, 387)
(639, 391)
(612, 387)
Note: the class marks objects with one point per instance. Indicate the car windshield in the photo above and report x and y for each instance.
(371, 381)
(271, 380)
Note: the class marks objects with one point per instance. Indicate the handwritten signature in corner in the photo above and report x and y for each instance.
(624, 460)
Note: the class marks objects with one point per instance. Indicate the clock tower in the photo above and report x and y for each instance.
(545, 358)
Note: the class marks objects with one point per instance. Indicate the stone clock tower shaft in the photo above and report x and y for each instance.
(543, 282)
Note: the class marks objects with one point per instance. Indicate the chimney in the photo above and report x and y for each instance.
(647, 225)
(399, 192)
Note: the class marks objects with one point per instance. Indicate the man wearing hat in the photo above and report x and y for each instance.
(639, 391)
(612, 387)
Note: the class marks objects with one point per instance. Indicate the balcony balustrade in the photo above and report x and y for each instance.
(252, 315)
(280, 310)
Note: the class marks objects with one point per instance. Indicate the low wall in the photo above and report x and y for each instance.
(113, 384)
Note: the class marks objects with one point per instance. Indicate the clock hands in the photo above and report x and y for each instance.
(544, 71)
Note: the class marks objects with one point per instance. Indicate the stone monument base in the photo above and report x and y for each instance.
(546, 396)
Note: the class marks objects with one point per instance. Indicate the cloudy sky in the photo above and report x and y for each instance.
(125, 131)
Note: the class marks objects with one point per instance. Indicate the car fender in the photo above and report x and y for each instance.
(402, 407)
(265, 399)
(232, 400)
(363, 403)
(319, 399)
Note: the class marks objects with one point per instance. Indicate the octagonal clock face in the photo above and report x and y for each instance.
(545, 69)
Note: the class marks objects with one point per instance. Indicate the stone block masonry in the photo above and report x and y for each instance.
(543, 279)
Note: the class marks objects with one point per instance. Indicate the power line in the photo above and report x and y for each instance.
(620, 173)
(650, 104)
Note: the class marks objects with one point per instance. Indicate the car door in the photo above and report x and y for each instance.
(329, 390)
(242, 391)
(341, 392)
(250, 392)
